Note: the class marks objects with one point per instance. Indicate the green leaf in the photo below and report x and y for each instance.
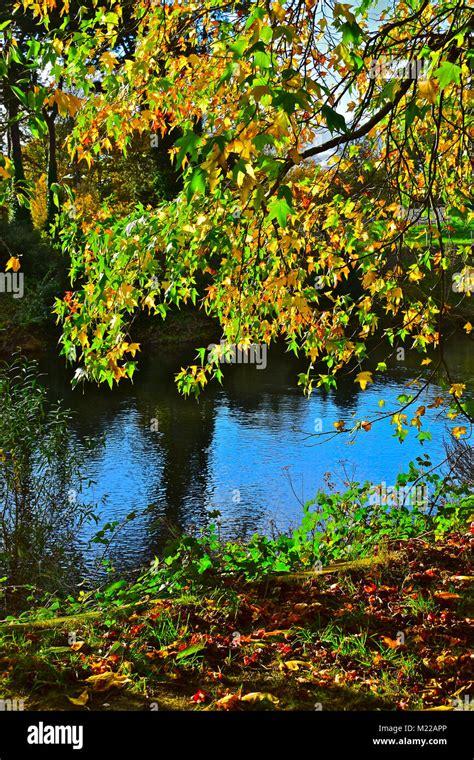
(22, 96)
(351, 33)
(261, 59)
(280, 210)
(193, 649)
(412, 110)
(447, 73)
(238, 47)
(187, 144)
(334, 120)
(424, 435)
(197, 183)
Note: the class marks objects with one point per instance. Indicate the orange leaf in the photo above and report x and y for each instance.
(446, 595)
(13, 263)
(392, 643)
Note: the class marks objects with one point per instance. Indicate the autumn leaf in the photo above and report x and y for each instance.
(199, 697)
(133, 348)
(294, 665)
(391, 643)
(457, 389)
(13, 263)
(446, 595)
(260, 696)
(229, 702)
(77, 645)
(110, 59)
(105, 681)
(364, 378)
(428, 90)
(81, 700)
(458, 431)
(468, 328)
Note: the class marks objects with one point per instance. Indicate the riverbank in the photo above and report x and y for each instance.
(386, 633)
(36, 336)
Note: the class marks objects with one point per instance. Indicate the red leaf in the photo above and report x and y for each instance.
(200, 696)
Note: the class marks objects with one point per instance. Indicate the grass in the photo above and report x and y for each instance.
(331, 640)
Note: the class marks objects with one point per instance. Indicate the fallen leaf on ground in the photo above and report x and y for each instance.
(446, 595)
(81, 700)
(199, 697)
(105, 681)
(259, 696)
(392, 643)
(229, 702)
(294, 664)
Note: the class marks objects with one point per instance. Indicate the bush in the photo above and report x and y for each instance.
(39, 483)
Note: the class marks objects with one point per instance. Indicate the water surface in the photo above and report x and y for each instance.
(243, 449)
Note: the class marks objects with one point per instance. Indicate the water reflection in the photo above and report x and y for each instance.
(240, 449)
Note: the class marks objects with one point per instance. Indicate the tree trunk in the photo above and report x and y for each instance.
(19, 209)
(52, 208)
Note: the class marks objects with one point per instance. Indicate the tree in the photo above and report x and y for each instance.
(274, 85)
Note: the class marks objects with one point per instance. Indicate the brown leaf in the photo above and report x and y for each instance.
(229, 702)
(446, 595)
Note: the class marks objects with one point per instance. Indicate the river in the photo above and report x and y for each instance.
(242, 449)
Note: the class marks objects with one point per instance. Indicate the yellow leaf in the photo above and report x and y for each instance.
(83, 339)
(364, 378)
(81, 700)
(133, 348)
(294, 664)
(468, 327)
(149, 302)
(457, 389)
(428, 89)
(13, 263)
(259, 696)
(426, 361)
(458, 431)
(77, 645)
(105, 681)
(109, 59)
(228, 702)
(193, 60)
(339, 425)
